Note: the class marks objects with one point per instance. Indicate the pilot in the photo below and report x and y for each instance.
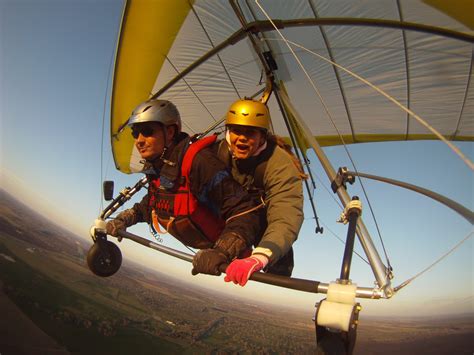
(191, 194)
(265, 166)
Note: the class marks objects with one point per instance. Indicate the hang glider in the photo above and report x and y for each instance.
(202, 59)
(341, 73)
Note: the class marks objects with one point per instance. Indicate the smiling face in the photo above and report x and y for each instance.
(245, 140)
(151, 139)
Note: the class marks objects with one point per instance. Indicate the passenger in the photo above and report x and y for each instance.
(191, 194)
(264, 165)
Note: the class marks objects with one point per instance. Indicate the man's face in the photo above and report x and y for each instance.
(150, 138)
(245, 140)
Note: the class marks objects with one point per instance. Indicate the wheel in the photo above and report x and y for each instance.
(331, 344)
(105, 259)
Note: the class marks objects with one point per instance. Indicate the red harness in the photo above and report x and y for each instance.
(180, 212)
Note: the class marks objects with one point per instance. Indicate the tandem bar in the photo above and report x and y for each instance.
(270, 279)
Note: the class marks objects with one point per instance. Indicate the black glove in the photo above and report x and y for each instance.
(207, 261)
(232, 245)
(228, 247)
(114, 226)
(123, 220)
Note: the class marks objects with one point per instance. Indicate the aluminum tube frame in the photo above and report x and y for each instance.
(270, 279)
(264, 26)
(349, 248)
(381, 272)
(125, 195)
(463, 211)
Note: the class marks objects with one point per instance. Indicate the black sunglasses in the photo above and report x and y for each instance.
(146, 131)
(245, 130)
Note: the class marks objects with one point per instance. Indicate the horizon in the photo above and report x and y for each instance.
(143, 265)
(55, 153)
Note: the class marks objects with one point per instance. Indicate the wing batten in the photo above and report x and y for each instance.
(466, 93)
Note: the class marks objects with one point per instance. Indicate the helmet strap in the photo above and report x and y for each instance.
(260, 149)
(162, 156)
(164, 160)
(227, 135)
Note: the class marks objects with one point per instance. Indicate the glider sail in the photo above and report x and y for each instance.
(148, 30)
(392, 44)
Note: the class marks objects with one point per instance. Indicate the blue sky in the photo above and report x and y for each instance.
(55, 67)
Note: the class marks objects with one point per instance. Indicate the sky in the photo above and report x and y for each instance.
(55, 66)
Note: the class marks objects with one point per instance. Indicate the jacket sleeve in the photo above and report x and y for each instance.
(213, 186)
(284, 200)
(142, 211)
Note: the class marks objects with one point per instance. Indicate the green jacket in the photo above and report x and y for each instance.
(282, 192)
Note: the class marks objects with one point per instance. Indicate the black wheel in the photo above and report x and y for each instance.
(105, 259)
(331, 344)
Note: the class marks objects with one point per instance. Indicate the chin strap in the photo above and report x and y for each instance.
(164, 160)
(167, 147)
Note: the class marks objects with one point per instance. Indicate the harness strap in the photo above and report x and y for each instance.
(223, 152)
(192, 150)
(156, 223)
(186, 203)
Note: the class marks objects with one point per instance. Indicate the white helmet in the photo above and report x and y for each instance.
(162, 111)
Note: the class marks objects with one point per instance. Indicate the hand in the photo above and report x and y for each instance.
(123, 220)
(231, 244)
(207, 261)
(239, 270)
(114, 226)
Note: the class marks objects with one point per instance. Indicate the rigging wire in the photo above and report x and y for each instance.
(199, 82)
(101, 206)
(336, 72)
(405, 283)
(305, 158)
(190, 87)
(267, 67)
(326, 108)
(193, 92)
(340, 239)
(216, 74)
(213, 46)
(455, 149)
(330, 193)
(343, 242)
(107, 89)
(409, 112)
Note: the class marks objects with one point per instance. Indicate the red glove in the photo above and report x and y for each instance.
(240, 270)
